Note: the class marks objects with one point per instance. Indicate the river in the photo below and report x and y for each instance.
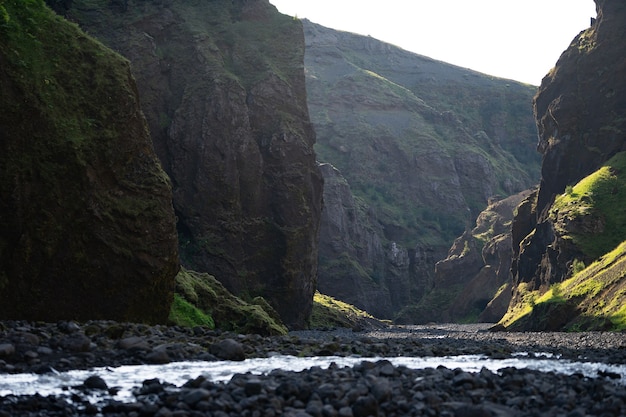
(125, 378)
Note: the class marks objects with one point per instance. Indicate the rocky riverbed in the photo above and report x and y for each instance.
(373, 387)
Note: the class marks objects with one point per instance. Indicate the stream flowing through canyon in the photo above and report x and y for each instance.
(126, 378)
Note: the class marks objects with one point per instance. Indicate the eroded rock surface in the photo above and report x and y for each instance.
(421, 146)
(579, 110)
(222, 87)
(87, 228)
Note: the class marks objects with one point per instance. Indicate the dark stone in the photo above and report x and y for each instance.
(253, 387)
(228, 349)
(195, 395)
(365, 406)
(95, 382)
(68, 326)
(158, 356)
(76, 343)
(7, 349)
(134, 343)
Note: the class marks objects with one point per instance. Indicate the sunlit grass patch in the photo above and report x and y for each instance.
(329, 312)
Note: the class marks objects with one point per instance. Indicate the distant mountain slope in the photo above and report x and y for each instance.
(422, 146)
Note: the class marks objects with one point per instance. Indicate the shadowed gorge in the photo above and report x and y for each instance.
(411, 151)
(414, 151)
(125, 292)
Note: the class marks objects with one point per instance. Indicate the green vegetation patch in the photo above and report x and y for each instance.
(183, 313)
(591, 213)
(593, 299)
(200, 296)
(330, 313)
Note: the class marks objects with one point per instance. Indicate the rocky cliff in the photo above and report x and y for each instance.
(222, 86)
(576, 215)
(579, 110)
(421, 146)
(87, 228)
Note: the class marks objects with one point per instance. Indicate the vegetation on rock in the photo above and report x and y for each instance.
(590, 215)
(202, 300)
(577, 215)
(593, 299)
(329, 313)
(87, 228)
(419, 147)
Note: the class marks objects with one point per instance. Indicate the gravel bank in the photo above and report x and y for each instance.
(372, 388)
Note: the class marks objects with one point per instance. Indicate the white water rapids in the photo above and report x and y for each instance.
(125, 378)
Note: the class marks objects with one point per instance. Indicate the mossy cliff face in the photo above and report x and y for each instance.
(580, 104)
(589, 217)
(222, 87)
(87, 228)
(580, 109)
(474, 281)
(577, 214)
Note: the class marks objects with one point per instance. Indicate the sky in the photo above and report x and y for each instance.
(520, 40)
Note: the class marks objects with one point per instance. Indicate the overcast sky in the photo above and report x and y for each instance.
(520, 40)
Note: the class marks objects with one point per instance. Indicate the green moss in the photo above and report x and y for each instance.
(330, 313)
(594, 298)
(81, 177)
(522, 309)
(598, 199)
(183, 313)
(204, 293)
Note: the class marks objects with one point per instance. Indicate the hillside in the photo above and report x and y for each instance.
(418, 147)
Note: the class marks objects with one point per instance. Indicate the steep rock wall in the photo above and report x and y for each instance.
(222, 87)
(580, 111)
(87, 228)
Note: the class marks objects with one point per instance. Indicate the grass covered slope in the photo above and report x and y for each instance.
(420, 141)
(591, 216)
(591, 213)
(594, 299)
(87, 228)
(330, 313)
